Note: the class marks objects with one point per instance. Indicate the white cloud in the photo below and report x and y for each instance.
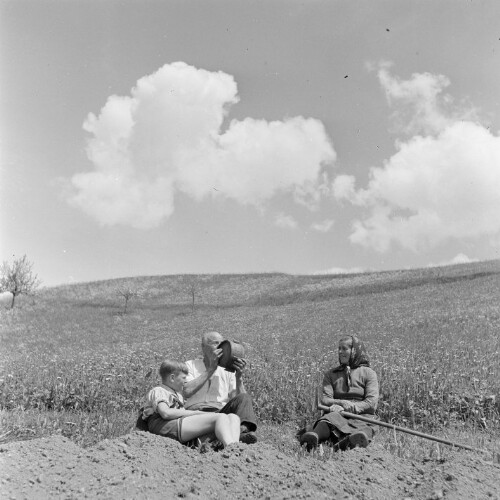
(310, 193)
(285, 221)
(167, 137)
(340, 270)
(323, 226)
(343, 188)
(460, 258)
(419, 103)
(436, 187)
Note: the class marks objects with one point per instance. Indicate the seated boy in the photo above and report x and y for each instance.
(165, 414)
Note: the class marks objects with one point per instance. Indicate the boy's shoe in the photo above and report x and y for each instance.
(194, 443)
(140, 424)
(248, 437)
(310, 439)
(217, 445)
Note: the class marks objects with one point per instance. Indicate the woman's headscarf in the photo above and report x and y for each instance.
(358, 358)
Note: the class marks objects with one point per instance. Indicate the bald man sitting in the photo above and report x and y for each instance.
(209, 387)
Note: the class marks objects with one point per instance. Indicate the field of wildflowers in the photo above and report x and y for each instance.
(73, 362)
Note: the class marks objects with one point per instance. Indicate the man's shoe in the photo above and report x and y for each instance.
(248, 437)
(310, 439)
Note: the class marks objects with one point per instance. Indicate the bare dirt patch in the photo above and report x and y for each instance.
(142, 465)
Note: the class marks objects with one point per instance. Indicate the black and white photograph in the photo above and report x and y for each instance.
(250, 249)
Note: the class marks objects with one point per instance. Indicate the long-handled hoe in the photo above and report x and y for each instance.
(346, 414)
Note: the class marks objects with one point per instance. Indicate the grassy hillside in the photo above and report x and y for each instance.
(262, 289)
(72, 355)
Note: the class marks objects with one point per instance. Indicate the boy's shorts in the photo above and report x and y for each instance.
(167, 428)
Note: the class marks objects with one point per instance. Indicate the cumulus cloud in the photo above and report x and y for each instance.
(460, 258)
(167, 137)
(285, 221)
(344, 186)
(439, 186)
(310, 193)
(419, 103)
(340, 270)
(323, 226)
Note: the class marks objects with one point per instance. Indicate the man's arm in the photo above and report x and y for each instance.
(193, 386)
(239, 364)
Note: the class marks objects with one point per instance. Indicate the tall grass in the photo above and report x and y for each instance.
(73, 363)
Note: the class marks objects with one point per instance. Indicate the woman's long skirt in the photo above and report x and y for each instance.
(341, 427)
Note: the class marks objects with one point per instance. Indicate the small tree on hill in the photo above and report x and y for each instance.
(127, 292)
(18, 278)
(192, 289)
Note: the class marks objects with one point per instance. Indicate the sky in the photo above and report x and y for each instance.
(227, 136)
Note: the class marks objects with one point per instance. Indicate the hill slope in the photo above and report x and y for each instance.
(75, 367)
(265, 289)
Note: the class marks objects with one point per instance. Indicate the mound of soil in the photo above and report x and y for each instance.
(142, 465)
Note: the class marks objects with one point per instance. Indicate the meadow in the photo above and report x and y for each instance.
(73, 362)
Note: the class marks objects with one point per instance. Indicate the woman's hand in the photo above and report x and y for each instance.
(336, 408)
(347, 406)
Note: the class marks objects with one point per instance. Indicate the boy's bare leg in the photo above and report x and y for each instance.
(197, 425)
(234, 424)
(224, 429)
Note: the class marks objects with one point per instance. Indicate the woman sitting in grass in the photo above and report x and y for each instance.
(353, 387)
(165, 414)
